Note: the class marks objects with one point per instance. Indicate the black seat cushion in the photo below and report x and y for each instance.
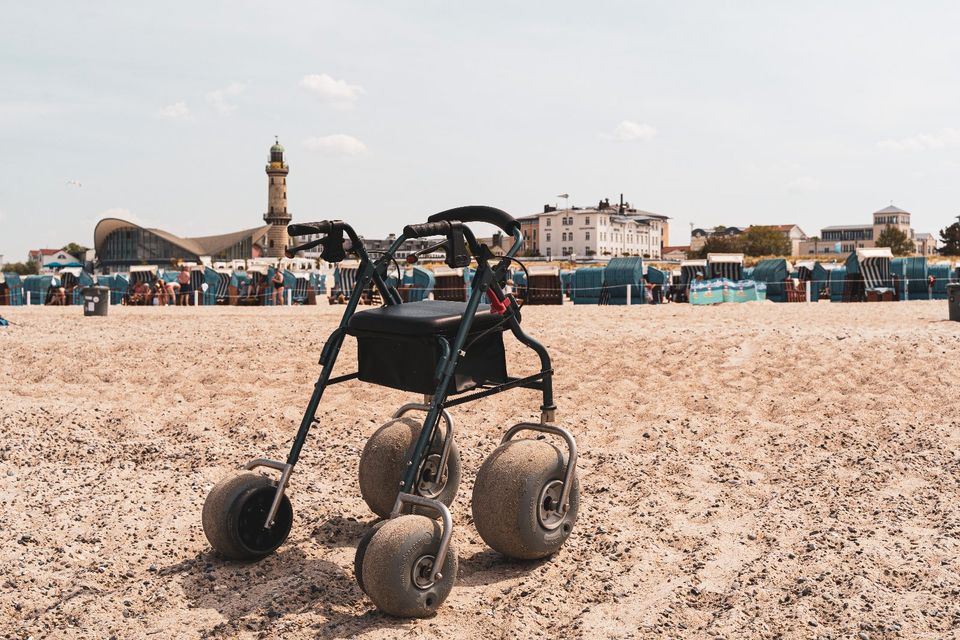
(428, 317)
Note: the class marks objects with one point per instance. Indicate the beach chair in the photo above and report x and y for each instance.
(660, 281)
(4, 291)
(868, 269)
(621, 273)
(344, 279)
(586, 285)
(543, 286)
(418, 284)
(252, 286)
(526, 495)
(942, 275)
(689, 270)
(724, 265)
(774, 273)
(14, 289)
(450, 284)
(217, 291)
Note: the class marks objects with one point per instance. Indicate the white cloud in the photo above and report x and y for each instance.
(175, 111)
(947, 137)
(218, 97)
(336, 144)
(803, 183)
(630, 130)
(337, 93)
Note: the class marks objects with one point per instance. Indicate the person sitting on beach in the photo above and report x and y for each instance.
(162, 292)
(183, 279)
(56, 295)
(141, 293)
(277, 282)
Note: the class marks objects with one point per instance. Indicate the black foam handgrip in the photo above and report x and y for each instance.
(426, 229)
(479, 213)
(310, 228)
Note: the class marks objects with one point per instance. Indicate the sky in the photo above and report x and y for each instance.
(733, 113)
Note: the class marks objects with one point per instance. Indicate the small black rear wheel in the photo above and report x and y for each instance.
(234, 514)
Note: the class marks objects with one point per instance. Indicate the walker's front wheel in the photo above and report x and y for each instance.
(516, 500)
(397, 568)
(234, 514)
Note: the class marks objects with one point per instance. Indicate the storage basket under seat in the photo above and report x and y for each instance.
(398, 346)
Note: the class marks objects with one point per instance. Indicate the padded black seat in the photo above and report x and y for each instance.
(428, 317)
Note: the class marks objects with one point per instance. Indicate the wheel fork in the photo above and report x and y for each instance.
(445, 534)
(543, 427)
(285, 470)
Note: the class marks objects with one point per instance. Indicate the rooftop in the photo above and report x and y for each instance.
(892, 209)
(845, 227)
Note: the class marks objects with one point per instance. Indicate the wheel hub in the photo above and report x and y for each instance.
(253, 515)
(550, 511)
(422, 573)
(431, 483)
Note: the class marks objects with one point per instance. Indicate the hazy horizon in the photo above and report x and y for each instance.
(746, 113)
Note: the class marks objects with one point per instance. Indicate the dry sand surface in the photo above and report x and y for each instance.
(747, 471)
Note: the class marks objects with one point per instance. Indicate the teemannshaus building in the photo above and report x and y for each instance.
(850, 237)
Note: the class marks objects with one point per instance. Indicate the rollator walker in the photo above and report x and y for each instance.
(526, 494)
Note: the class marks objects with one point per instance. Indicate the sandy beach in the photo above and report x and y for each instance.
(747, 471)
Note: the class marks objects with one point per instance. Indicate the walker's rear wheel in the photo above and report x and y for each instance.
(397, 571)
(383, 461)
(515, 500)
(234, 514)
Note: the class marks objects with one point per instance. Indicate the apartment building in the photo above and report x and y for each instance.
(602, 231)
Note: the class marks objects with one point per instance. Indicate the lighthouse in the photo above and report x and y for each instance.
(276, 215)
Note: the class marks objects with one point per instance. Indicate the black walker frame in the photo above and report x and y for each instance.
(487, 281)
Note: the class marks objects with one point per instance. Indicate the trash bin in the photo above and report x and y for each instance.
(96, 301)
(953, 301)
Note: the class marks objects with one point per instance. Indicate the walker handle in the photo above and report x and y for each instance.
(311, 228)
(426, 229)
(478, 213)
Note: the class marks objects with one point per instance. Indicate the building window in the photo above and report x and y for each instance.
(586, 220)
(548, 236)
(588, 235)
(548, 222)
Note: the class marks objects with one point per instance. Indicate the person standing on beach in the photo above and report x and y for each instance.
(277, 282)
(183, 279)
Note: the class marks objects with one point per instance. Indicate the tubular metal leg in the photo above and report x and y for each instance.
(440, 508)
(285, 471)
(571, 457)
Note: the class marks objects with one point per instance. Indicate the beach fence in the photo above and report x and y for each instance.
(623, 282)
(586, 285)
(724, 265)
(868, 275)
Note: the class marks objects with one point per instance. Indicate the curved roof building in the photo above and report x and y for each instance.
(120, 244)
